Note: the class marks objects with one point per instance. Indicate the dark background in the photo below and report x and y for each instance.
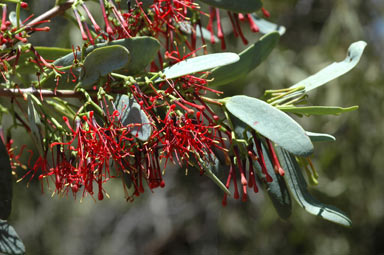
(186, 217)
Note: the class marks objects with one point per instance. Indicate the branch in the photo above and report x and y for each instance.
(4, 92)
(57, 10)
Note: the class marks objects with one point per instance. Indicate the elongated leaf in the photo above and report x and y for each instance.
(24, 66)
(10, 242)
(52, 53)
(319, 137)
(201, 32)
(277, 189)
(199, 64)
(317, 110)
(250, 58)
(5, 183)
(143, 50)
(267, 27)
(334, 70)
(298, 187)
(132, 115)
(34, 123)
(243, 6)
(271, 123)
(102, 61)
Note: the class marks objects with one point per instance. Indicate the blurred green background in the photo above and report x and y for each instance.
(186, 217)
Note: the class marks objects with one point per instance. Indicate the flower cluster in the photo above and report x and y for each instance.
(173, 120)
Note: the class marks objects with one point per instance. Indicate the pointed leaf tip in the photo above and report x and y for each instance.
(199, 64)
(335, 69)
(320, 137)
(298, 188)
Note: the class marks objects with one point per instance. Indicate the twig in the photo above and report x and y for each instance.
(57, 10)
(4, 92)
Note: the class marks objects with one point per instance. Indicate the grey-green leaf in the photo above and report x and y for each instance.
(5, 183)
(199, 64)
(335, 69)
(317, 110)
(242, 6)
(298, 188)
(266, 26)
(250, 58)
(10, 242)
(102, 61)
(143, 50)
(34, 123)
(271, 123)
(320, 137)
(277, 189)
(131, 114)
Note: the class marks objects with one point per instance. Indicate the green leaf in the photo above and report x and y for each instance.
(277, 189)
(335, 69)
(131, 114)
(319, 137)
(266, 26)
(5, 183)
(199, 64)
(24, 66)
(102, 61)
(34, 122)
(317, 110)
(250, 58)
(298, 187)
(143, 50)
(271, 123)
(10, 242)
(52, 53)
(242, 6)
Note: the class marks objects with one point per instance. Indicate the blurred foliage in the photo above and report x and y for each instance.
(187, 217)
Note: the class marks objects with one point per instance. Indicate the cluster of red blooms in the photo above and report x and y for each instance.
(161, 18)
(235, 19)
(11, 34)
(184, 128)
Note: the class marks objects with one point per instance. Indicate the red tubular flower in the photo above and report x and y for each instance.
(95, 25)
(80, 23)
(108, 27)
(261, 158)
(275, 160)
(3, 20)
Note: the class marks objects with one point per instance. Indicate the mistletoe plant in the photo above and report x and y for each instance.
(141, 93)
